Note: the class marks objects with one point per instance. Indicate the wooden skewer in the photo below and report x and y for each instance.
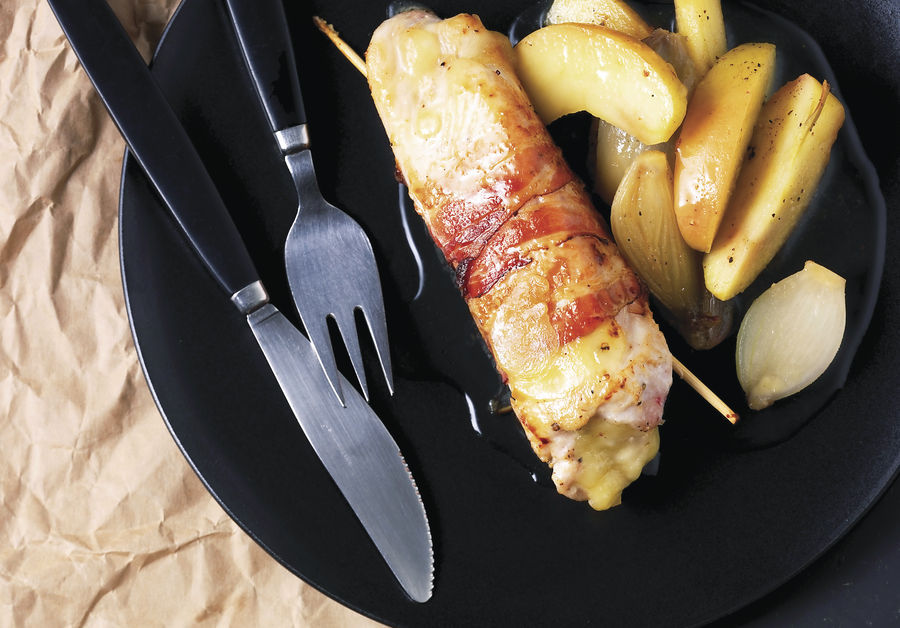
(341, 45)
(703, 390)
(680, 369)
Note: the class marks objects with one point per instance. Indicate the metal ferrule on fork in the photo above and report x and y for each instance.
(293, 139)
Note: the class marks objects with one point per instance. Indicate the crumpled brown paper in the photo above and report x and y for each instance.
(102, 521)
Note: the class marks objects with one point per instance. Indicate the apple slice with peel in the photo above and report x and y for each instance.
(715, 134)
(566, 68)
(613, 149)
(614, 14)
(785, 160)
(702, 24)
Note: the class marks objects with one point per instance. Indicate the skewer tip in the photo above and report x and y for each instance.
(345, 49)
(704, 391)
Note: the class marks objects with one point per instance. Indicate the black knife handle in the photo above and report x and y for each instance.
(261, 28)
(156, 137)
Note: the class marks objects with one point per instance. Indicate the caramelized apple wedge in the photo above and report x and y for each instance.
(567, 68)
(613, 149)
(614, 14)
(785, 160)
(715, 134)
(701, 22)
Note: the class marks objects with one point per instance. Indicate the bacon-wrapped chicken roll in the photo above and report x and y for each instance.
(566, 320)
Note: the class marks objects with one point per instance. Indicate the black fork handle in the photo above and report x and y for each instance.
(261, 28)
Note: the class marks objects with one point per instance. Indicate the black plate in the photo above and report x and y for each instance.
(728, 517)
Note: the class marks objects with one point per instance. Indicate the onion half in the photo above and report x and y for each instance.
(790, 335)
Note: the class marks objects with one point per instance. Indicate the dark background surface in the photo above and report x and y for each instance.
(856, 583)
(717, 529)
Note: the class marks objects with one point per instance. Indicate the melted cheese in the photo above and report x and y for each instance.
(610, 457)
(618, 435)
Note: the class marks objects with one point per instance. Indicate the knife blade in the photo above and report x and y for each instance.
(352, 442)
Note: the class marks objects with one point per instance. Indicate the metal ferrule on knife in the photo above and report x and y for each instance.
(250, 298)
